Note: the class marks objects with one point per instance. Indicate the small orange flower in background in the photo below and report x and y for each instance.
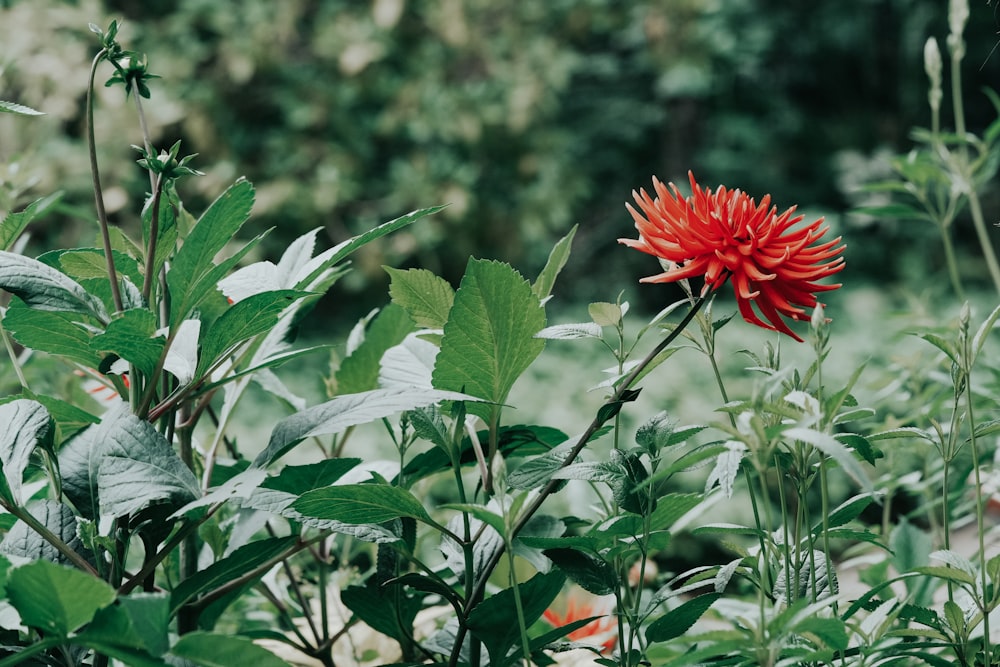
(601, 632)
(725, 234)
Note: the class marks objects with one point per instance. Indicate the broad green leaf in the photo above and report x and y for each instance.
(25, 424)
(215, 228)
(679, 620)
(14, 224)
(672, 507)
(830, 631)
(409, 364)
(242, 321)
(280, 491)
(587, 570)
(239, 486)
(942, 344)
(947, 573)
(46, 331)
(557, 260)
(342, 412)
(131, 335)
(56, 599)
(123, 465)
(835, 450)
(494, 621)
(85, 264)
(69, 418)
(605, 314)
(138, 621)
(489, 339)
(360, 503)
(14, 107)
(213, 650)
(427, 298)
(538, 470)
(360, 371)
(22, 540)
(44, 288)
(245, 559)
(428, 424)
(383, 610)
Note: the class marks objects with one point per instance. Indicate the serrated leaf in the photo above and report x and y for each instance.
(25, 425)
(22, 540)
(679, 620)
(238, 487)
(672, 507)
(131, 335)
(123, 465)
(242, 321)
(571, 331)
(54, 598)
(42, 287)
(538, 470)
(727, 467)
(409, 364)
(20, 109)
(52, 332)
(360, 371)
(338, 414)
(360, 503)
(494, 620)
(426, 297)
(195, 259)
(557, 260)
(835, 450)
(832, 632)
(947, 573)
(847, 511)
(390, 614)
(489, 337)
(14, 224)
(588, 570)
(214, 650)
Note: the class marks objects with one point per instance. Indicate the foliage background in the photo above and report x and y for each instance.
(525, 117)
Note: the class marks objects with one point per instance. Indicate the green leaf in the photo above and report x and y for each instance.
(138, 621)
(22, 540)
(835, 450)
(942, 344)
(847, 511)
(426, 297)
(44, 288)
(123, 465)
(56, 599)
(14, 224)
(25, 424)
(69, 418)
(132, 336)
(342, 412)
(557, 260)
(349, 246)
(360, 503)
(46, 331)
(679, 620)
(195, 259)
(571, 331)
(359, 371)
(832, 632)
(14, 107)
(385, 612)
(672, 507)
(494, 620)
(947, 573)
(587, 570)
(489, 337)
(213, 650)
(239, 562)
(242, 321)
(605, 314)
(983, 331)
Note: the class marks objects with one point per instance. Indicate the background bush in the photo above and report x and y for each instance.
(525, 117)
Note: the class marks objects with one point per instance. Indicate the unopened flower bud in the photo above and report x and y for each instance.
(932, 65)
(958, 15)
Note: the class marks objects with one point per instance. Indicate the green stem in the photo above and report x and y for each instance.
(34, 649)
(50, 537)
(154, 231)
(949, 255)
(597, 422)
(95, 174)
(13, 356)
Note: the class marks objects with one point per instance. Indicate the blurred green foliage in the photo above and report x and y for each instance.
(524, 117)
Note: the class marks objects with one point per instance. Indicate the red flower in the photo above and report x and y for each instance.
(603, 630)
(727, 234)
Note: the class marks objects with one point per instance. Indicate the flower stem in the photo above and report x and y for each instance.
(95, 174)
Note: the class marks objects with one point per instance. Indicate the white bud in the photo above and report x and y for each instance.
(932, 61)
(958, 14)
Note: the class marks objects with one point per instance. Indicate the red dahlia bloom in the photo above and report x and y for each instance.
(602, 631)
(773, 262)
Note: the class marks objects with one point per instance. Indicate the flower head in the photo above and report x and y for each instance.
(774, 263)
(602, 631)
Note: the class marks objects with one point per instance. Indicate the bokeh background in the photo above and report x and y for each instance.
(525, 117)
